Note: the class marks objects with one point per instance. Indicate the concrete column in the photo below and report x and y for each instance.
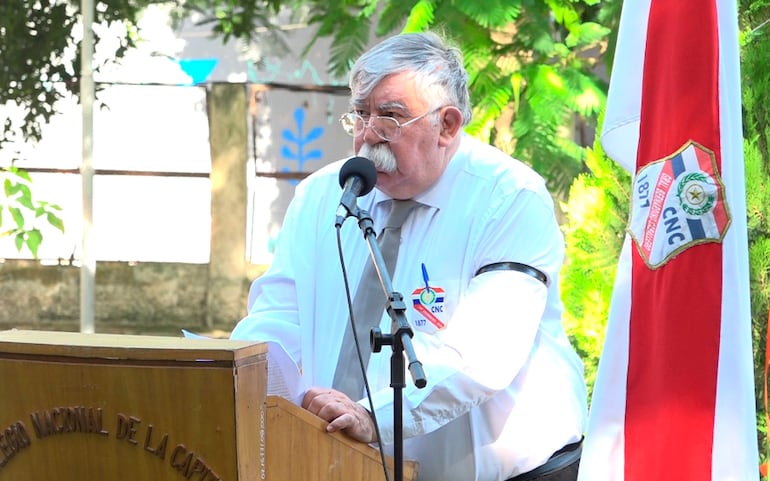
(228, 284)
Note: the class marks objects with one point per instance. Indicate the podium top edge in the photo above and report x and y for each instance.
(126, 346)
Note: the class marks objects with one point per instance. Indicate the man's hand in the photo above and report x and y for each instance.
(342, 413)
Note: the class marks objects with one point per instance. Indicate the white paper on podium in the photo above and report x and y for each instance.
(283, 377)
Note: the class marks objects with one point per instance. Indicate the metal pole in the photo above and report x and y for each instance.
(88, 266)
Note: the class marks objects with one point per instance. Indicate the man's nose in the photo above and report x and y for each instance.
(370, 136)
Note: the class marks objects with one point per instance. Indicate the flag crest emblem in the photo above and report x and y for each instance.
(678, 202)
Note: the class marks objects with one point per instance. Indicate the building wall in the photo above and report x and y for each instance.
(133, 298)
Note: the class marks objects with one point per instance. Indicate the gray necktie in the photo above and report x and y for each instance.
(369, 304)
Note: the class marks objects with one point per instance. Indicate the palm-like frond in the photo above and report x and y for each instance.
(490, 14)
(345, 50)
(398, 14)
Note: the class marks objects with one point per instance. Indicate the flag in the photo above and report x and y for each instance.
(674, 394)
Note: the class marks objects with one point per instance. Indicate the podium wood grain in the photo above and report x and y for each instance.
(299, 448)
(117, 407)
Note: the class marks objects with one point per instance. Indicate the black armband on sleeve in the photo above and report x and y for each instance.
(514, 266)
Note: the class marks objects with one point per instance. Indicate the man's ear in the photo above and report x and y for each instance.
(451, 124)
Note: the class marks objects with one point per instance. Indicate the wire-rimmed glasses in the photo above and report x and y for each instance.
(387, 128)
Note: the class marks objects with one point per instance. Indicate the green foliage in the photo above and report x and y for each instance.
(491, 14)
(332, 19)
(420, 17)
(31, 60)
(758, 222)
(253, 21)
(529, 61)
(234, 18)
(596, 212)
(24, 211)
(755, 43)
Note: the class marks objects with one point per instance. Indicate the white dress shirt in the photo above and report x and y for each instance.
(504, 387)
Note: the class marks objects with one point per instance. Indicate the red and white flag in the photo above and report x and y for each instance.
(674, 395)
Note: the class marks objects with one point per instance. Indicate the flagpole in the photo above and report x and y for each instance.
(88, 263)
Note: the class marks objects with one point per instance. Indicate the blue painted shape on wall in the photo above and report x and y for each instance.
(198, 69)
(298, 150)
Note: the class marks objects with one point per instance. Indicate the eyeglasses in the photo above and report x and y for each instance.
(387, 128)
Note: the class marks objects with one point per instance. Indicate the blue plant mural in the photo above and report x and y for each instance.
(299, 139)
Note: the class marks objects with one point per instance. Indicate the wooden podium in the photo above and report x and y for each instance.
(148, 408)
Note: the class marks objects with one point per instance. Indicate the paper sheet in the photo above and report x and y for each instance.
(283, 377)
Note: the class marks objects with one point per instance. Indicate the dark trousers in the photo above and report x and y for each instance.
(562, 466)
(567, 473)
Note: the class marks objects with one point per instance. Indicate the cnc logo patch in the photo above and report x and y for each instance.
(678, 202)
(429, 304)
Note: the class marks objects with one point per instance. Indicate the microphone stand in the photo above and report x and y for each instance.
(400, 341)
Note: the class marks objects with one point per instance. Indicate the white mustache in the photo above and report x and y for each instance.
(380, 155)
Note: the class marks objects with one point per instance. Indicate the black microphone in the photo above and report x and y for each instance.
(357, 178)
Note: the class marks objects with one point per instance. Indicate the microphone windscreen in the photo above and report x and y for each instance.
(362, 168)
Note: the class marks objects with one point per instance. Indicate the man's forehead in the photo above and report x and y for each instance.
(394, 92)
(381, 105)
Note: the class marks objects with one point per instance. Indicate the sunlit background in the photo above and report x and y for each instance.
(150, 123)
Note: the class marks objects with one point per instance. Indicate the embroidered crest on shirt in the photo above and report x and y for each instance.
(429, 303)
(678, 202)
